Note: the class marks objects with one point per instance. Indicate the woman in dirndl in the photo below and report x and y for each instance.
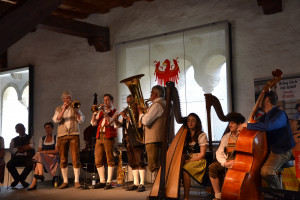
(47, 156)
(195, 148)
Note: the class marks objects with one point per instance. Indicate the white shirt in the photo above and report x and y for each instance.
(13, 149)
(103, 121)
(202, 140)
(154, 112)
(67, 115)
(220, 154)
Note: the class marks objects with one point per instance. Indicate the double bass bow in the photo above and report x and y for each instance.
(243, 179)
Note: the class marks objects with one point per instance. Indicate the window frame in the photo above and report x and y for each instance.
(29, 83)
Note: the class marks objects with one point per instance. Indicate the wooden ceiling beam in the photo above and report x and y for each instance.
(270, 6)
(4, 6)
(88, 6)
(82, 6)
(97, 36)
(92, 6)
(126, 3)
(70, 14)
(23, 18)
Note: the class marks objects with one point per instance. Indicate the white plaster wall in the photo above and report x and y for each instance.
(61, 63)
(260, 44)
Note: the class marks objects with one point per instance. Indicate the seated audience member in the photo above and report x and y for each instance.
(46, 157)
(2, 163)
(297, 114)
(22, 151)
(196, 144)
(225, 153)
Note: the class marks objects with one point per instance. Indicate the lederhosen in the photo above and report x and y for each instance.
(135, 149)
(105, 141)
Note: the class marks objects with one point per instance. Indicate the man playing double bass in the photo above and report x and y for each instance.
(279, 137)
(225, 153)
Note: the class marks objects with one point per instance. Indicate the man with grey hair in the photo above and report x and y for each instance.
(153, 121)
(68, 119)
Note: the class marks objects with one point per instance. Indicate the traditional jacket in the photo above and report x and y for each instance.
(110, 130)
(153, 132)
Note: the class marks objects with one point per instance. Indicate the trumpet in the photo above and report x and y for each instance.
(96, 108)
(75, 104)
(148, 103)
(125, 110)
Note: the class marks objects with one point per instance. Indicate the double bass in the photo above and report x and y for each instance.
(243, 179)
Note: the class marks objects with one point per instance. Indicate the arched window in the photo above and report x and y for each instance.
(196, 59)
(14, 111)
(15, 101)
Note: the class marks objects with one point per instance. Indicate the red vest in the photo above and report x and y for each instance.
(110, 131)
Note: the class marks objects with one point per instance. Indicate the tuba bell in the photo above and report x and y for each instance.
(133, 84)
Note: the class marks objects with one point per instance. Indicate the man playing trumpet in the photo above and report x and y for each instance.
(68, 119)
(153, 122)
(105, 140)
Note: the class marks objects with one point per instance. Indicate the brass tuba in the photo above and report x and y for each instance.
(133, 84)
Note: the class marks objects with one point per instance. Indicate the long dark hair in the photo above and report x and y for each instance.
(198, 128)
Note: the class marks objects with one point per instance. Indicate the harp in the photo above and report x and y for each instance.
(167, 182)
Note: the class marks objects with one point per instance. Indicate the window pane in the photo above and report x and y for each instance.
(14, 112)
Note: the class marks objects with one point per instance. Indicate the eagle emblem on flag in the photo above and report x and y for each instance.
(167, 71)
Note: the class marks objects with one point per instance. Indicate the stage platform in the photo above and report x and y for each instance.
(45, 191)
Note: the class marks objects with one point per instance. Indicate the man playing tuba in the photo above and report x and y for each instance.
(135, 150)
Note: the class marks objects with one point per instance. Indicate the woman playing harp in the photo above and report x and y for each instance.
(172, 166)
(194, 150)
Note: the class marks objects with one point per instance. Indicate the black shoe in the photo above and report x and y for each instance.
(99, 185)
(14, 184)
(107, 186)
(24, 184)
(141, 188)
(41, 177)
(131, 187)
(33, 188)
